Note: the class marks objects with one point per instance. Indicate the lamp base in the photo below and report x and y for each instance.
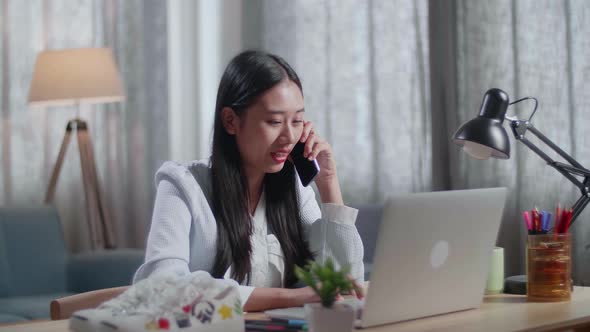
(99, 221)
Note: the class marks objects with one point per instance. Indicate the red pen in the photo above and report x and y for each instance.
(561, 220)
(558, 218)
(563, 224)
(527, 220)
(536, 220)
(568, 220)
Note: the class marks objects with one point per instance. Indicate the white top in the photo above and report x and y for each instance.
(267, 256)
(183, 232)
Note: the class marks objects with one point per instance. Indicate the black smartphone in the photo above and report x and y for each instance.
(307, 169)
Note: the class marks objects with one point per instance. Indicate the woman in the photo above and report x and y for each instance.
(244, 214)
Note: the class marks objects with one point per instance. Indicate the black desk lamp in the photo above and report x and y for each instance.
(484, 137)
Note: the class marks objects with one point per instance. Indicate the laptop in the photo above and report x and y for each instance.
(432, 256)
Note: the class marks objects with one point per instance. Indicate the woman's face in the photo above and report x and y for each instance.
(269, 129)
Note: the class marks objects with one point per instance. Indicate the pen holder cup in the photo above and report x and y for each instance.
(549, 267)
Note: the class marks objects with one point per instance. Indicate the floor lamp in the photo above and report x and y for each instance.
(78, 77)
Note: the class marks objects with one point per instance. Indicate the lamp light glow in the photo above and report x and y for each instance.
(477, 151)
(70, 76)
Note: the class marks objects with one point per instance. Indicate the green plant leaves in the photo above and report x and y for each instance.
(325, 280)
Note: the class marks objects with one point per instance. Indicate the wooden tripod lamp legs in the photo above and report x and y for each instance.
(99, 222)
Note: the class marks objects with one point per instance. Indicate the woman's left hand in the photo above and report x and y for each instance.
(317, 148)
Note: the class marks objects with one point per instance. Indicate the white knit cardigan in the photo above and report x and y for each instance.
(183, 232)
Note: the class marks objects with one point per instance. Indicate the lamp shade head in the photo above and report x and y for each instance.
(64, 77)
(484, 136)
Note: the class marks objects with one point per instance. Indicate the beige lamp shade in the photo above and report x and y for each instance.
(84, 75)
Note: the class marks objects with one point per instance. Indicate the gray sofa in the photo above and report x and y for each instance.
(36, 268)
(367, 223)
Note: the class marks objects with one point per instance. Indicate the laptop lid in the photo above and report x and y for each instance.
(433, 254)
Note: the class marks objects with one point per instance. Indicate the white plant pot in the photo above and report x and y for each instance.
(339, 318)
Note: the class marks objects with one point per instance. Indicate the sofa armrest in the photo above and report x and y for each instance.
(102, 269)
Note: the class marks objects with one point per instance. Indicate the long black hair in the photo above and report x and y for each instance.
(246, 77)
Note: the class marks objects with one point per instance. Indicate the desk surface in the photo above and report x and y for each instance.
(497, 313)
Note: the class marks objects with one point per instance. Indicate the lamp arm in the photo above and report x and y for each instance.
(579, 206)
(520, 127)
(555, 148)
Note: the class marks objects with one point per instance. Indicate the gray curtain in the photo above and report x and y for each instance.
(388, 83)
(365, 82)
(533, 48)
(130, 139)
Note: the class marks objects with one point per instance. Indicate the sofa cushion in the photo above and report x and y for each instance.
(33, 255)
(367, 224)
(29, 307)
(4, 266)
(102, 269)
(10, 318)
(368, 270)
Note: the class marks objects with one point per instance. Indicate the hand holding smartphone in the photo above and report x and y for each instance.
(307, 169)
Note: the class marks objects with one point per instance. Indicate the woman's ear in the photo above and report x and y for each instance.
(230, 120)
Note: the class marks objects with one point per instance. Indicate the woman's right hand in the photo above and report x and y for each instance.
(300, 296)
(271, 298)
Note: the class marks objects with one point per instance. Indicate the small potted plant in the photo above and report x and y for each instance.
(328, 283)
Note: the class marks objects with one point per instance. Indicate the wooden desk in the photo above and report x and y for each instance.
(497, 313)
